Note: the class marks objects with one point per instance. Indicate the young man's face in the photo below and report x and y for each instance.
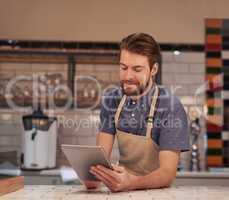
(134, 73)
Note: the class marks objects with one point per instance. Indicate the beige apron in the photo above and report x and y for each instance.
(138, 154)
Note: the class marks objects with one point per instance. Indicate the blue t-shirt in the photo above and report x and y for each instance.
(170, 125)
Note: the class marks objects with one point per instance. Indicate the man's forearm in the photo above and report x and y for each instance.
(156, 179)
(105, 140)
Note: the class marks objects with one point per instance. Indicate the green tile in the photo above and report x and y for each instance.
(226, 70)
(214, 152)
(214, 110)
(216, 135)
(218, 95)
(213, 70)
(213, 31)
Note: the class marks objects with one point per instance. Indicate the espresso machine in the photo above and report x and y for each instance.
(39, 141)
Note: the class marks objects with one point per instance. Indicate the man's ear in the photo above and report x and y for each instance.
(154, 69)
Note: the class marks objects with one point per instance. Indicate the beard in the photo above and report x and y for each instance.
(140, 88)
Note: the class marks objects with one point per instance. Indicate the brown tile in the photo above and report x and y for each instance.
(216, 119)
(215, 143)
(214, 39)
(214, 102)
(213, 47)
(214, 160)
(213, 62)
(214, 79)
(214, 23)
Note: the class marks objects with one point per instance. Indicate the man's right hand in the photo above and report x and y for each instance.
(92, 184)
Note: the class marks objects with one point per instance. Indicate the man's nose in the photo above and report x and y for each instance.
(129, 74)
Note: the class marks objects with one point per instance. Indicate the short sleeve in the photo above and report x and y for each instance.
(174, 133)
(107, 115)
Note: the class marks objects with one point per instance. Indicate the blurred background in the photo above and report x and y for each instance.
(58, 57)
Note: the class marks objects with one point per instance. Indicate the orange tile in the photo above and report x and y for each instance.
(215, 119)
(216, 77)
(214, 23)
(215, 143)
(214, 160)
(214, 102)
(214, 80)
(214, 39)
(214, 62)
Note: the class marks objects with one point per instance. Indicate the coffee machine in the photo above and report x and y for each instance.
(39, 141)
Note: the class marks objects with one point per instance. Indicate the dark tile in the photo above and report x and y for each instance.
(225, 70)
(214, 111)
(226, 161)
(226, 145)
(225, 78)
(213, 54)
(214, 135)
(226, 62)
(225, 86)
(213, 31)
(215, 152)
(225, 27)
(226, 39)
(213, 70)
(225, 46)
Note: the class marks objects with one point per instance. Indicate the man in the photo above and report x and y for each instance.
(150, 124)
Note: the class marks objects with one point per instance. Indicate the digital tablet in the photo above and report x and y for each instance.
(83, 157)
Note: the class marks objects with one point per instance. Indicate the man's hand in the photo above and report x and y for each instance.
(116, 180)
(91, 184)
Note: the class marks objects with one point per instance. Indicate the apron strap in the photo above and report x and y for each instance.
(151, 113)
(117, 114)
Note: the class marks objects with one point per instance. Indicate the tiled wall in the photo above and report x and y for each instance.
(23, 74)
(185, 72)
(217, 75)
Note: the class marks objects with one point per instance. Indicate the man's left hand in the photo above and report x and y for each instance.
(116, 180)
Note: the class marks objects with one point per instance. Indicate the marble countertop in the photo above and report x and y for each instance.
(180, 174)
(36, 192)
(202, 174)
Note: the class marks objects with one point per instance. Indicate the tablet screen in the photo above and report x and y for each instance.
(83, 157)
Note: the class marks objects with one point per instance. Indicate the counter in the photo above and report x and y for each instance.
(78, 193)
(53, 177)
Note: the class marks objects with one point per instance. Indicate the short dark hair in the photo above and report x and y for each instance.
(143, 44)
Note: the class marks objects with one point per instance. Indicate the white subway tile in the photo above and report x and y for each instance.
(167, 56)
(225, 54)
(17, 118)
(180, 90)
(197, 68)
(6, 118)
(114, 77)
(187, 57)
(196, 89)
(85, 68)
(175, 68)
(167, 78)
(188, 79)
(6, 148)
(225, 135)
(16, 66)
(12, 140)
(48, 67)
(10, 129)
(7, 74)
(106, 67)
